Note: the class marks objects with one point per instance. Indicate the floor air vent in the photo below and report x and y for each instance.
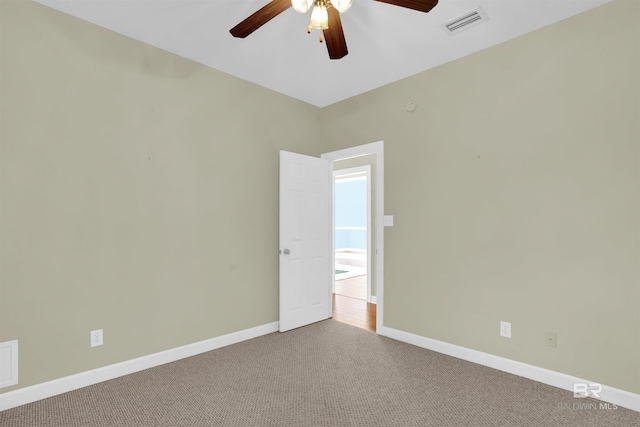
(465, 21)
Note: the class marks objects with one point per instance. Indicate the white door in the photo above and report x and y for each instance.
(305, 261)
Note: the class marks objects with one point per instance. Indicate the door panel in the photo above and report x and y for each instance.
(304, 240)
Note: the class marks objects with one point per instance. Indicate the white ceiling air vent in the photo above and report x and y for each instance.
(465, 21)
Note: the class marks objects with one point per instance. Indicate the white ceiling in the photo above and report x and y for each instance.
(386, 43)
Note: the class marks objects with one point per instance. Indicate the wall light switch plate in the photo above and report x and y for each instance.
(387, 220)
(96, 338)
(505, 329)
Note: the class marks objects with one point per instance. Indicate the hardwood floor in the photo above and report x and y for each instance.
(355, 312)
(355, 287)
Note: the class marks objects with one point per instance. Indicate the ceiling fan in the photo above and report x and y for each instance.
(325, 16)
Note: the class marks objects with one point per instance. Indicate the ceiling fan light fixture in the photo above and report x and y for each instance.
(319, 16)
(342, 5)
(301, 6)
(322, 12)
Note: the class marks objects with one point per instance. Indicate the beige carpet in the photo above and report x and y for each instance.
(326, 374)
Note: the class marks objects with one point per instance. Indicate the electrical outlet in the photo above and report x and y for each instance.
(551, 339)
(96, 338)
(505, 329)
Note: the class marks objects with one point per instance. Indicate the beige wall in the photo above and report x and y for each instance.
(353, 162)
(118, 211)
(514, 186)
(516, 196)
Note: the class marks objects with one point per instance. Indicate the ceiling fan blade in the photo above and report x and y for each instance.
(259, 18)
(334, 36)
(420, 5)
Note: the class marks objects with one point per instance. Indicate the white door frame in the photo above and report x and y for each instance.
(376, 148)
(366, 172)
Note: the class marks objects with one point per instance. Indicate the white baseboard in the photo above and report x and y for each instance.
(73, 382)
(557, 379)
(374, 299)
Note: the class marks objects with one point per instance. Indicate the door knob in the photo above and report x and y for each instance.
(286, 251)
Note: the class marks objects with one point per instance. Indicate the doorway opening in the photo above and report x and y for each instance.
(356, 292)
(352, 236)
(352, 246)
(306, 237)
